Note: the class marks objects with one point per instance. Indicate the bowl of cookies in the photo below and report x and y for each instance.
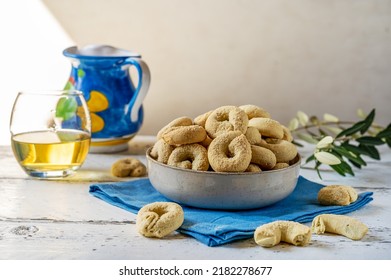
(230, 158)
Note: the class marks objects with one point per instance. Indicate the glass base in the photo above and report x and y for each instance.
(50, 174)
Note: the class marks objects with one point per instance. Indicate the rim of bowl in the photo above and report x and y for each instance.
(150, 158)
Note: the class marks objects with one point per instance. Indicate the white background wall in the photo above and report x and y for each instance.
(31, 54)
(317, 56)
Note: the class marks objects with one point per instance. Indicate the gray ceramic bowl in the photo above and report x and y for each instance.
(220, 190)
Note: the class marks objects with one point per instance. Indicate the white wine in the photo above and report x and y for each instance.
(51, 152)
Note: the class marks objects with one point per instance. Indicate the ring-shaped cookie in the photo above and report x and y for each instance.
(159, 219)
(263, 157)
(224, 119)
(253, 135)
(285, 151)
(271, 234)
(181, 135)
(287, 134)
(254, 111)
(267, 127)
(229, 152)
(252, 167)
(161, 151)
(128, 167)
(191, 156)
(201, 119)
(181, 121)
(280, 165)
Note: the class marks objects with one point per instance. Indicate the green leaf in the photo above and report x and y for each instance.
(317, 164)
(343, 168)
(355, 149)
(369, 140)
(370, 151)
(388, 141)
(352, 130)
(339, 169)
(355, 164)
(368, 121)
(385, 132)
(66, 108)
(310, 158)
(361, 126)
(350, 155)
(348, 169)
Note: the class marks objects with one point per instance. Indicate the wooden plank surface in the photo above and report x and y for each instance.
(42, 219)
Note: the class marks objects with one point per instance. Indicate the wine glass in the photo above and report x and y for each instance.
(50, 132)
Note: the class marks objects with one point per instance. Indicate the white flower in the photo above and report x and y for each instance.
(306, 137)
(293, 124)
(361, 114)
(303, 117)
(325, 142)
(327, 158)
(330, 118)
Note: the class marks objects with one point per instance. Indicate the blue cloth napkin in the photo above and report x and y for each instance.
(215, 228)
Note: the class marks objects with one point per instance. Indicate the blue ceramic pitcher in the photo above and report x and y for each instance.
(101, 72)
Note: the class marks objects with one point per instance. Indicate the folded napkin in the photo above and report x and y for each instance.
(213, 227)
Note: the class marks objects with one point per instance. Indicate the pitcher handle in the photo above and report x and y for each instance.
(142, 88)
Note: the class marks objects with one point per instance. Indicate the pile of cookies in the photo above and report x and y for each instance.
(227, 139)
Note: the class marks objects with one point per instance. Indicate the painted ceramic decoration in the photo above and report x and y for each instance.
(115, 103)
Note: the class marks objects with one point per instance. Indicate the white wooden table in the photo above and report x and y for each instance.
(42, 219)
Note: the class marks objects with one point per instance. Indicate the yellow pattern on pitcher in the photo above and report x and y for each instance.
(97, 103)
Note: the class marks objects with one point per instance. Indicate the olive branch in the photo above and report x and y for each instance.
(343, 145)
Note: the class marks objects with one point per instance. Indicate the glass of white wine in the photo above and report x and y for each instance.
(50, 132)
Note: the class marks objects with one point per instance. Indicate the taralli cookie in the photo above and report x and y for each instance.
(263, 157)
(191, 156)
(287, 134)
(339, 224)
(253, 136)
(181, 121)
(285, 151)
(181, 135)
(267, 127)
(159, 219)
(337, 195)
(271, 234)
(206, 142)
(201, 119)
(224, 119)
(252, 167)
(273, 146)
(128, 167)
(254, 111)
(229, 152)
(280, 165)
(161, 151)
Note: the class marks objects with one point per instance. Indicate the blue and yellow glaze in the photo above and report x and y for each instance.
(110, 94)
